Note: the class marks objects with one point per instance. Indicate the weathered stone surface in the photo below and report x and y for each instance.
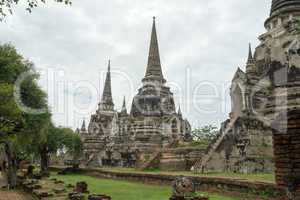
(98, 197)
(58, 182)
(42, 193)
(81, 187)
(183, 186)
(191, 198)
(59, 190)
(269, 83)
(121, 138)
(75, 196)
(69, 170)
(36, 187)
(184, 189)
(287, 150)
(70, 186)
(283, 105)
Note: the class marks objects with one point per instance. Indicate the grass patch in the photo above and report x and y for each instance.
(124, 190)
(195, 144)
(262, 177)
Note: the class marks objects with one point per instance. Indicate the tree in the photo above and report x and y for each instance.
(205, 134)
(72, 143)
(14, 121)
(51, 141)
(26, 129)
(6, 6)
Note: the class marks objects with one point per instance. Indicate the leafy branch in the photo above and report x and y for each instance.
(7, 6)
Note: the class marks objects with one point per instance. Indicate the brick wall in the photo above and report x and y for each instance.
(287, 150)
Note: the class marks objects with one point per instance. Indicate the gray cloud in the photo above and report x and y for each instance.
(208, 39)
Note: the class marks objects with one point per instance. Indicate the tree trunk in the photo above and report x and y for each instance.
(11, 165)
(44, 160)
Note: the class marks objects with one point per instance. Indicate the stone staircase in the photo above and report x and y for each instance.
(155, 157)
(91, 158)
(180, 159)
(152, 160)
(200, 164)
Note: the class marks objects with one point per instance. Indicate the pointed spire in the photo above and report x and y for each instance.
(124, 109)
(108, 68)
(250, 55)
(107, 101)
(250, 66)
(154, 65)
(179, 111)
(83, 128)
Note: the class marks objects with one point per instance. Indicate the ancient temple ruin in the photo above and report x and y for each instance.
(245, 143)
(120, 138)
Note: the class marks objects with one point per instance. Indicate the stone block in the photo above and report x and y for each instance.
(75, 196)
(58, 182)
(188, 198)
(36, 187)
(81, 187)
(98, 197)
(41, 194)
(59, 190)
(70, 186)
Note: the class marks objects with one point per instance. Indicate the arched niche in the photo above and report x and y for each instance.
(237, 101)
(174, 126)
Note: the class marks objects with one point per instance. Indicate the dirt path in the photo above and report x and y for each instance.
(11, 195)
(2, 181)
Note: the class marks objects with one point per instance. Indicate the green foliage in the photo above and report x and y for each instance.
(32, 95)
(205, 134)
(72, 143)
(53, 139)
(6, 6)
(25, 120)
(8, 109)
(64, 139)
(199, 144)
(12, 66)
(38, 137)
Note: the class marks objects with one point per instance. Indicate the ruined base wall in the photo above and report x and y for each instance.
(257, 157)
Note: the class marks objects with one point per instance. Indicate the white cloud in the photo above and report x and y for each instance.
(208, 39)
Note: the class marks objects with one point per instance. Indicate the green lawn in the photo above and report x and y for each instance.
(270, 178)
(124, 190)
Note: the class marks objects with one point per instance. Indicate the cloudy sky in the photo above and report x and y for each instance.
(202, 42)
